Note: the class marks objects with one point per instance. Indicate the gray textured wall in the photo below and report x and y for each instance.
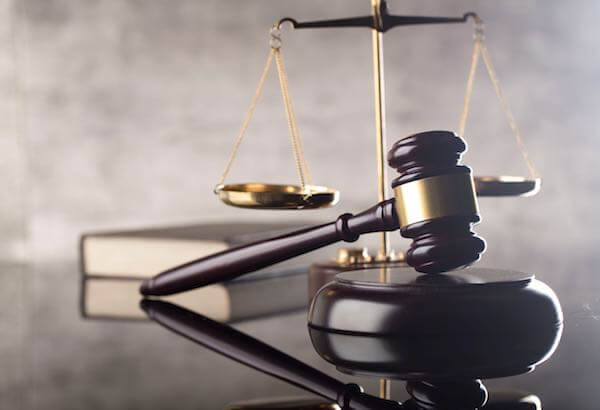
(131, 108)
(122, 113)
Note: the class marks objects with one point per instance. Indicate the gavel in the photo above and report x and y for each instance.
(435, 205)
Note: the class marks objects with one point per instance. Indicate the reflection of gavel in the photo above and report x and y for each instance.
(260, 356)
(435, 206)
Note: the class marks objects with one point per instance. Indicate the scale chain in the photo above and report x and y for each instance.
(480, 49)
(301, 164)
(248, 117)
(469, 92)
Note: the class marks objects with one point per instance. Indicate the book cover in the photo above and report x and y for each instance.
(141, 254)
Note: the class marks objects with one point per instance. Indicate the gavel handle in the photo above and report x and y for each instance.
(251, 352)
(248, 258)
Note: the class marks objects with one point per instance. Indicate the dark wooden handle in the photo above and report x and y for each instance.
(238, 261)
(251, 352)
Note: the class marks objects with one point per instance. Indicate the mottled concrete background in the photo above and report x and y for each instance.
(122, 113)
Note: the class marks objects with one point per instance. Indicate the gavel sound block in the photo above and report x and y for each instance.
(435, 205)
(441, 333)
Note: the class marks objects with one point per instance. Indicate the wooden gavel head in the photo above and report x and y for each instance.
(435, 201)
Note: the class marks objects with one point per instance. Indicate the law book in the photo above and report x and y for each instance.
(141, 254)
(256, 295)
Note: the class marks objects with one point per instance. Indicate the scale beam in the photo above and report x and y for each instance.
(381, 22)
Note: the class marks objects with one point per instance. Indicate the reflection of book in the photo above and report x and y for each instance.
(144, 253)
(254, 295)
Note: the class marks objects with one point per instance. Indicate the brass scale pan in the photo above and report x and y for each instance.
(506, 186)
(275, 196)
(258, 195)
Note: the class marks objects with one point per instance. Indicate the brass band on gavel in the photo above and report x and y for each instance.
(435, 197)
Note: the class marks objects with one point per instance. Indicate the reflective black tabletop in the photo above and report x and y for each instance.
(52, 358)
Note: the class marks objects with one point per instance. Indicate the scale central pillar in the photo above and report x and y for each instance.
(380, 121)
